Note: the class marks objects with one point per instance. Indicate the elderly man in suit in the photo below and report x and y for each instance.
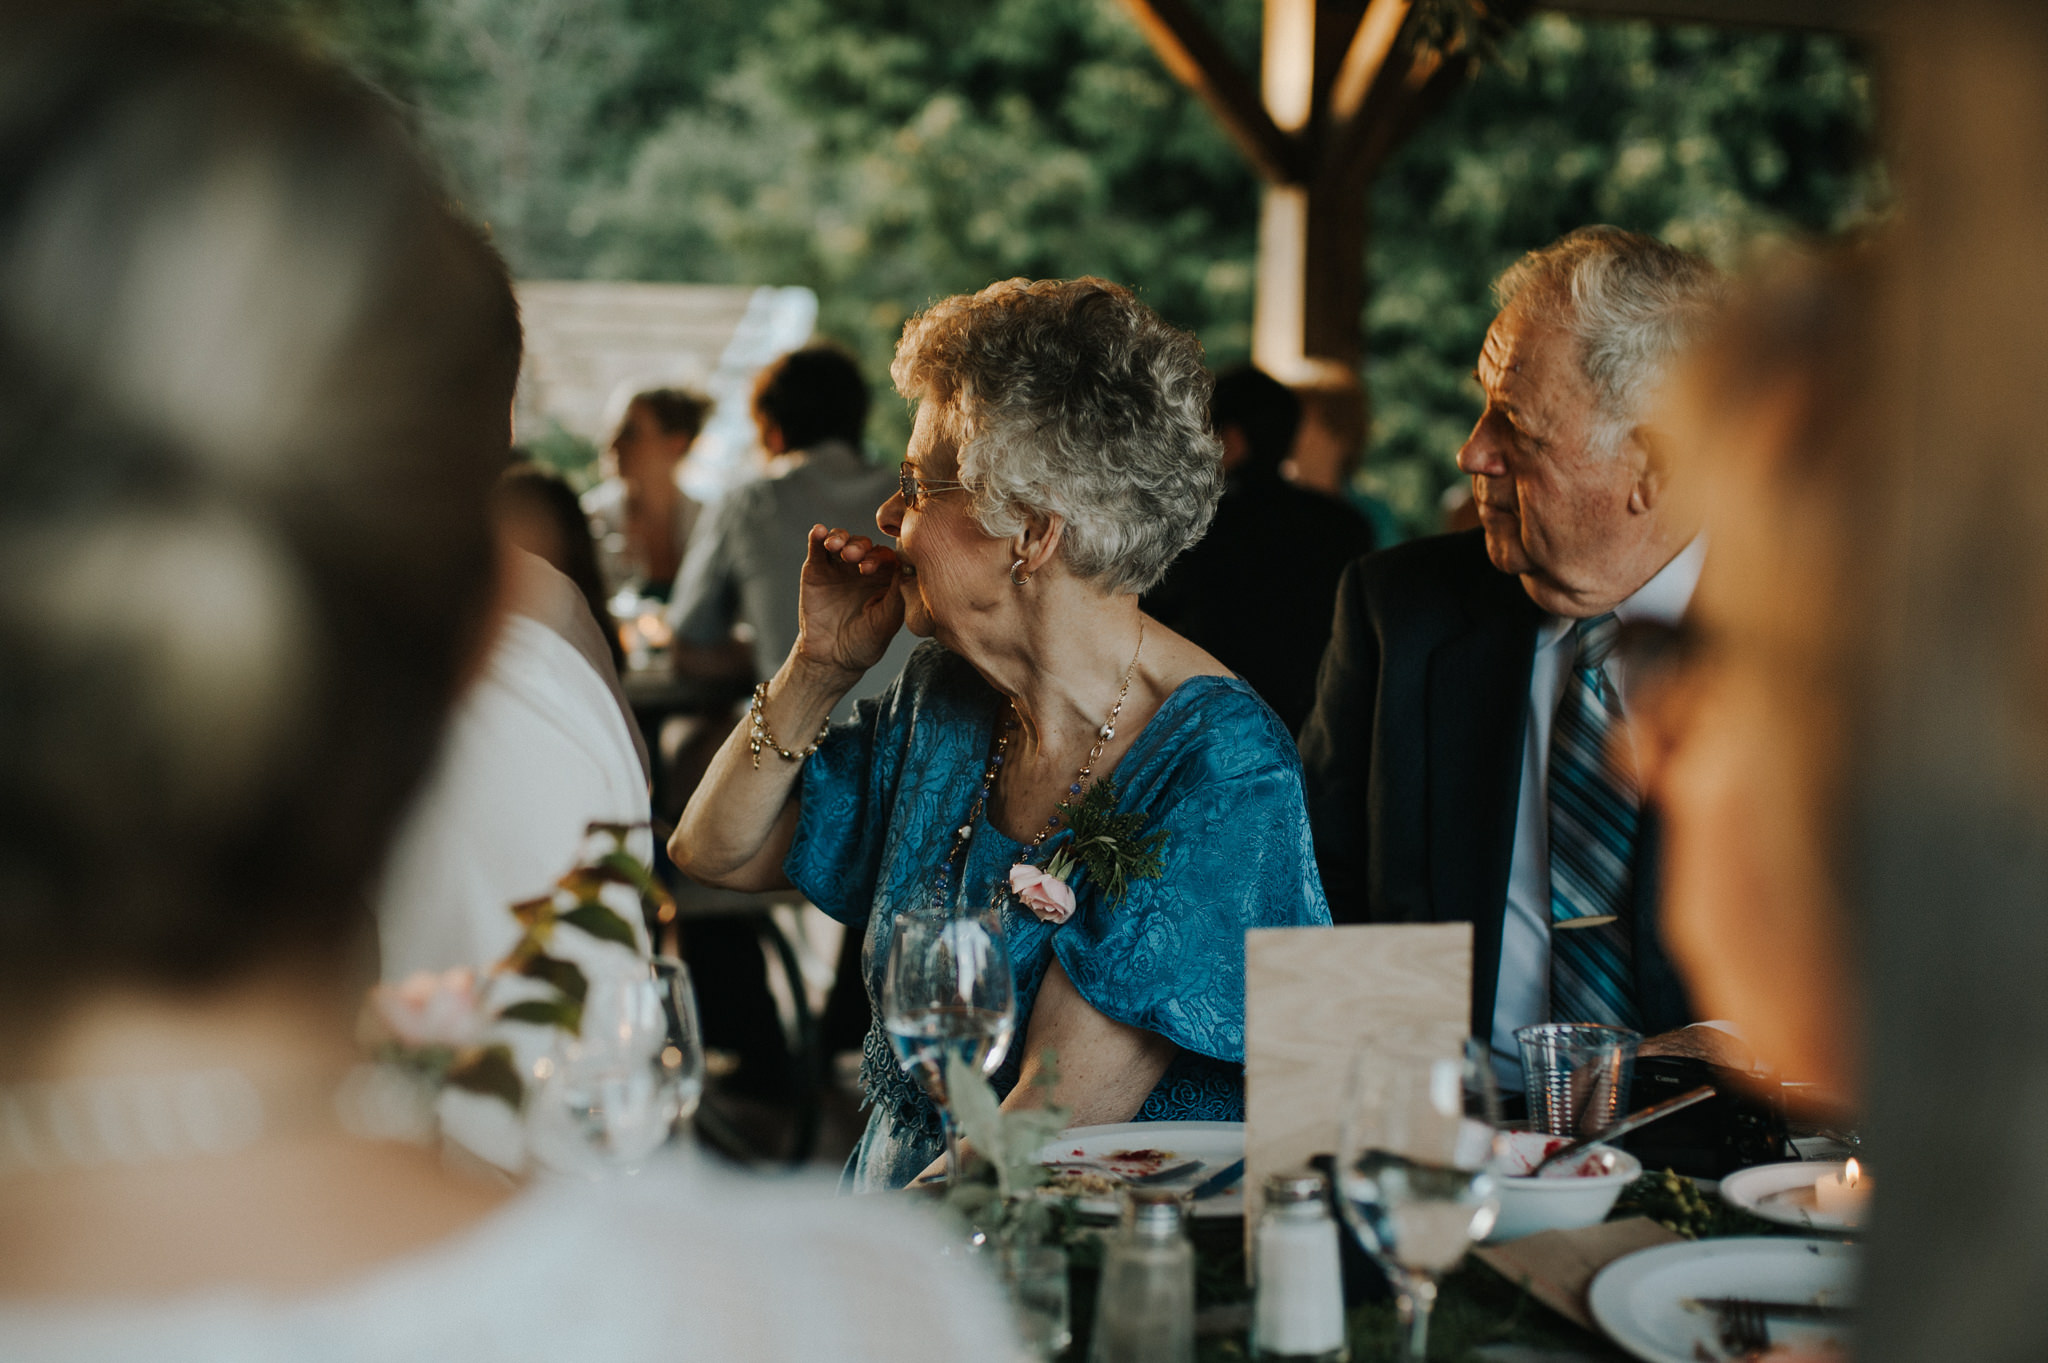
(1467, 759)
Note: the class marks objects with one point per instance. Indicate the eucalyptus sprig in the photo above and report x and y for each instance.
(997, 1190)
(1107, 844)
(577, 901)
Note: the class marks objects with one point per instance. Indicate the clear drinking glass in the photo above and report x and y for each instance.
(613, 1094)
(1036, 1276)
(1413, 1150)
(947, 990)
(1576, 1075)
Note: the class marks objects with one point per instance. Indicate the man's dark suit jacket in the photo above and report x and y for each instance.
(1413, 759)
(1257, 590)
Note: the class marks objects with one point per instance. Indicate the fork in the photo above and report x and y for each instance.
(1744, 1329)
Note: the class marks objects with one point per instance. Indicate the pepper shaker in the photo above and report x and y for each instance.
(1145, 1312)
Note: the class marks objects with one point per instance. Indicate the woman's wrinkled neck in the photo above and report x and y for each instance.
(1061, 657)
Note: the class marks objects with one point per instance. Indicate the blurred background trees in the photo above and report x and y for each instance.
(886, 152)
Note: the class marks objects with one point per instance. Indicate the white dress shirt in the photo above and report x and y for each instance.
(536, 751)
(1522, 995)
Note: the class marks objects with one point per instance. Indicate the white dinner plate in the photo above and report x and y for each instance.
(1216, 1144)
(1784, 1193)
(1639, 1299)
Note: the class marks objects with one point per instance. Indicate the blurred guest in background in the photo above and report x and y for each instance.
(639, 514)
(1061, 459)
(1257, 591)
(735, 605)
(537, 511)
(734, 613)
(1460, 761)
(540, 745)
(253, 379)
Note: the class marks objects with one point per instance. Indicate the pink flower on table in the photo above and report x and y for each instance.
(1051, 898)
(426, 1009)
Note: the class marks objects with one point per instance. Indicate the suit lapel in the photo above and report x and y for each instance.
(1476, 713)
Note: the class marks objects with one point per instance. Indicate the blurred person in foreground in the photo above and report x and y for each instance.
(1257, 591)
(1749, 701)
(1061, 459)
(734, 609)
(250, 374)
(1466, 760)
(639, 514)
(1750, 710)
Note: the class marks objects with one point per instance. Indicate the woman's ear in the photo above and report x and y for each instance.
(1039, 541)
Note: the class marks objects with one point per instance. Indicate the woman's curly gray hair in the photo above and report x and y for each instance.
(1069, 397)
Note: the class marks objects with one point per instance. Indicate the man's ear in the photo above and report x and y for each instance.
(1646, 447)
(1038, 541)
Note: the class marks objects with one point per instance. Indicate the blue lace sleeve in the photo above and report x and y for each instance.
(1170, 957)
(835, 856)
(878, 782)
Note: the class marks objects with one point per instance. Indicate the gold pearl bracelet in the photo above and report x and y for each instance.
(760, 736)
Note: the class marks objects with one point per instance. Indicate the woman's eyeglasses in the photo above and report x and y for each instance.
(916, 489)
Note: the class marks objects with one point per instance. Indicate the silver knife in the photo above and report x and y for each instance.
(1788, 1310)
(1209, 1187)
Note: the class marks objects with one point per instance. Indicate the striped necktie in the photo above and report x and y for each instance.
(1593, 818)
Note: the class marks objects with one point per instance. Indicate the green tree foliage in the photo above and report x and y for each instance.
(1706, 138)
(887, 152)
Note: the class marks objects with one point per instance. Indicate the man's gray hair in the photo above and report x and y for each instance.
(1630, 301)
(1069, 397)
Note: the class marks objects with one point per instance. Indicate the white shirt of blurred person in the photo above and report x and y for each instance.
(639, 514)
(256, 758)
(734, 608)
(540, 746)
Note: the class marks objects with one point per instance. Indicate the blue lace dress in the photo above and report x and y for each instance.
(884, 792)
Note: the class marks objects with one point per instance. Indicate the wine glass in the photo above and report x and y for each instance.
(1414, 1181)
(613, 1094)
(947, 990)
(683, 1057)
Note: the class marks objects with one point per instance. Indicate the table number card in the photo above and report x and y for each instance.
(1314, 997)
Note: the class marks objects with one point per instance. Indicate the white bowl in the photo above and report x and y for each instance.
(1580, 1196)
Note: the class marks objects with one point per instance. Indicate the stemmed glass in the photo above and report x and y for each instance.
(616, 1092)
(1414, 1151)
(947, 990)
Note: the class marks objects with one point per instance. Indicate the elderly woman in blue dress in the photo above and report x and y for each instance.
(1061, 458)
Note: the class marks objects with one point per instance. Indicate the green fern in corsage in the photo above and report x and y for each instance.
(1107, 844)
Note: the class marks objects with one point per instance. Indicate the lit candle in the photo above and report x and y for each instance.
(1843, 1193)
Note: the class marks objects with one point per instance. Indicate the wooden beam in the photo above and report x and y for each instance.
(1398, 102)
(1836, 16)
(1191, 50)
(1363, 60)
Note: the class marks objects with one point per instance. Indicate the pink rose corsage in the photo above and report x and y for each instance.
(1046, 895)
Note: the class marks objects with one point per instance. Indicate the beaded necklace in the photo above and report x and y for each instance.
(965, 831)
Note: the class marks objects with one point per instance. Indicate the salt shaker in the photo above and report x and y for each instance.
(1298, 1298)
(1146, 1310)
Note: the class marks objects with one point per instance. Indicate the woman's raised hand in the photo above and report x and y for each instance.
(849, 608)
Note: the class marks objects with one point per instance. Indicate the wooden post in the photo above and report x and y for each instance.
(1338, 90)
